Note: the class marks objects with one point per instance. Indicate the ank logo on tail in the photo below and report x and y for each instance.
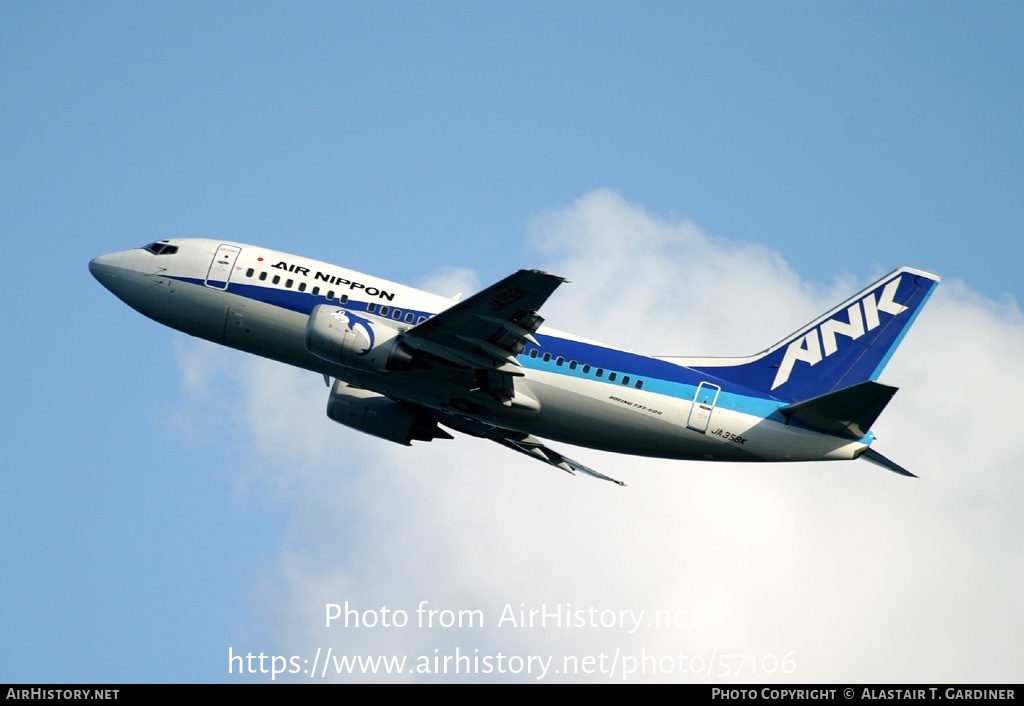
(820, 342)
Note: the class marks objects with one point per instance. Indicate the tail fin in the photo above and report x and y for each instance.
(845, 347)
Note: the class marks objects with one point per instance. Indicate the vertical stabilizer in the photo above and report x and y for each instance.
(849, 345)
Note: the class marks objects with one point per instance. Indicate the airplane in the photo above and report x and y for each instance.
(408, 365)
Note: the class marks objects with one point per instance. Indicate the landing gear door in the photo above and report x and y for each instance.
(703, 404)
(221, 266)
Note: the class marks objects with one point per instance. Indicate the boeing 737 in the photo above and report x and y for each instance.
(406, 365)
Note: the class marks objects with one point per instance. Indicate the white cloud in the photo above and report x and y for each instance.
(852, 573)
(452, 281)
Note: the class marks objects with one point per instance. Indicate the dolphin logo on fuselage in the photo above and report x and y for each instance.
(352, 323)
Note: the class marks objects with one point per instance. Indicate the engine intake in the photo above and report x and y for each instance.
(356, 341)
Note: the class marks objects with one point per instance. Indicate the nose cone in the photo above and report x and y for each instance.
(126, 275)
(118, 272)
(105, 267)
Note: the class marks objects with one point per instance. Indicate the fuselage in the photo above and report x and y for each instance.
(570, 389)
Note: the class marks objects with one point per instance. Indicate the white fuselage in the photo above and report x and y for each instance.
(571, 389)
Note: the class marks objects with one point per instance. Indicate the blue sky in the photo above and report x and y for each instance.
(159, 504)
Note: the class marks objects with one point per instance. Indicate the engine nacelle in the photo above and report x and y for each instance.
(356, 341)
(380, 416)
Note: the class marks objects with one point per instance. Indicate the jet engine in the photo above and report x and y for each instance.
(356, 340)
(380, 416)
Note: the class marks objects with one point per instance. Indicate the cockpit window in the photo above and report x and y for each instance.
(161, 248)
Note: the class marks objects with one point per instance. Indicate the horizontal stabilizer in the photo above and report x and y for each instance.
(847, 412)
(880, 460)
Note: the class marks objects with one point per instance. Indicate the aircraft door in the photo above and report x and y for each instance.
(221, 266)
(703, 404)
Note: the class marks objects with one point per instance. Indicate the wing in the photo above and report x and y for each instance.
(534, 448)
(492, 327)
(523, 443)
(486, 332)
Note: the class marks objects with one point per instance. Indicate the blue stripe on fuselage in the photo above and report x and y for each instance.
(304, 302)
(658, 376)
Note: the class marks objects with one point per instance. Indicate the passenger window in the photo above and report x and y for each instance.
(600, 372)
(316, 291)
(343, 300)
(289, 283)
(547, 357)
(572, 365)
(384, 310)
(611, 377)
(250, 272)
(277, 279)
(421, 319)
(533, 353)
(302, 286)
(396, 314)
(263, 276)
(372, 307)
(586, 369)
(639, 384)
(559, 360)
(409, 317)
(625, 379)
